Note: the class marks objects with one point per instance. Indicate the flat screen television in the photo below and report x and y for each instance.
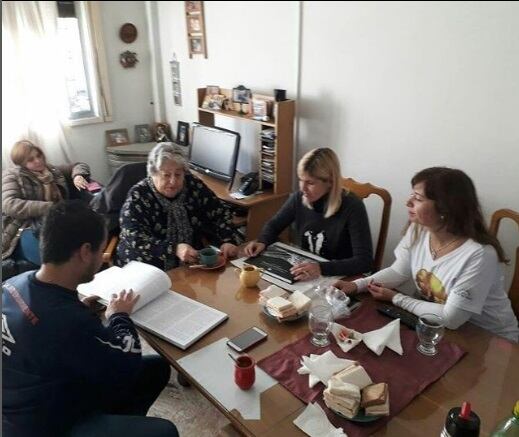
(214, 151)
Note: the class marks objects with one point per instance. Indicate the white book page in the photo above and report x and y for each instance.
(178, 319)
(144, 279)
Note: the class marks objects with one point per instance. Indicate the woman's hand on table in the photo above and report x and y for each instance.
(80, 182)
(381, 293)
(186, 253)
(254, 248)
(346, 286)
(229, 250)
(306, 271)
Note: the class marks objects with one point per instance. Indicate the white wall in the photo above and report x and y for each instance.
(130, 88)
(248, 43)
(391, 87)
(397, 87)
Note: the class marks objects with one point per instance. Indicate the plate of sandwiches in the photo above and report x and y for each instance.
(282, 306)
(345, 397)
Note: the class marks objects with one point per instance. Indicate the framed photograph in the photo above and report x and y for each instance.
(117, 137)
(212, 89)
(196, 44)
(241, 94)
(193, 7)
(161, 132)
(183, 133)
(195, 24)
(143, 133)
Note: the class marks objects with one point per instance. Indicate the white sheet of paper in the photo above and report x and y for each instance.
(212, 367)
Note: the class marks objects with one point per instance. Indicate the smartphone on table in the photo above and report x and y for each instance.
(247, 339)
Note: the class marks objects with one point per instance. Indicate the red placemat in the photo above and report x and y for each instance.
(407, 375)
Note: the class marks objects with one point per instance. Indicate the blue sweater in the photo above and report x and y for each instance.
(58, 358)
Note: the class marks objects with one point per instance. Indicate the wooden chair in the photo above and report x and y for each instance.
(363, 191)
(513, 292)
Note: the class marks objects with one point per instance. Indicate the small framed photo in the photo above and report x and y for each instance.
(183, 133)
(117, 137)
(143, 133)
(196, 45)
(161, 133)
(241, 94)
(211, 90)
(193, 7)
(195, 24)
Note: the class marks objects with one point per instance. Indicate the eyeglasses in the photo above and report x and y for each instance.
(171, 176)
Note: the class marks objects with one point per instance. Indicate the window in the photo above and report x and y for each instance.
(86, 92)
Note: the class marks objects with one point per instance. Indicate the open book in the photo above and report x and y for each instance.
(169, 315)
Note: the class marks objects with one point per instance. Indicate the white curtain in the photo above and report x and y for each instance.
(33, 85)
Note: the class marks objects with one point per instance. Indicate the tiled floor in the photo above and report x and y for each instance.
(192, 413)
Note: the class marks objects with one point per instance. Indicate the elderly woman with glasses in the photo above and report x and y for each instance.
(168, 214)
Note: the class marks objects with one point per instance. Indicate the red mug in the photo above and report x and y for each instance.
(245, 372)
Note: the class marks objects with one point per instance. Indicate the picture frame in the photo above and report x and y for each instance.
(193, 7)
(143, 133)
(117, 137)
(182, 133)
(161, 132)
(196, 45)
(195, 26)
(212, 89)
(241, 94)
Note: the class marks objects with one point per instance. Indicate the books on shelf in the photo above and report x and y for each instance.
(171, 316)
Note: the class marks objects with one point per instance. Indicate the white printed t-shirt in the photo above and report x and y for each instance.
(469, 278)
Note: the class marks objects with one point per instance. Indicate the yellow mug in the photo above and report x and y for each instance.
(250, 275)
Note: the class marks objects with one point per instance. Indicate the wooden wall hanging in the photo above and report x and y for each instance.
(195, 25)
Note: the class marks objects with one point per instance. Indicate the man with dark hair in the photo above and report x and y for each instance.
(64, 373)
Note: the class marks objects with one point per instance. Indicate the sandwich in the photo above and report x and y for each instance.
(375, 399)
(281, 307)
(300, 301)
(272, 291)
(354, 374)
(342, 397)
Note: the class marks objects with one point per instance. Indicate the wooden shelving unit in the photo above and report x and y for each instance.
(283, 143)
(263, 206)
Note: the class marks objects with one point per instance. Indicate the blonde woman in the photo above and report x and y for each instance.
(328, 221)
(31, 187)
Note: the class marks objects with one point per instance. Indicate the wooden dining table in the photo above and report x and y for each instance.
(487, 376)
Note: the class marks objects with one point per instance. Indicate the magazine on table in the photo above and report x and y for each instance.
(277, 260)
(171, 316)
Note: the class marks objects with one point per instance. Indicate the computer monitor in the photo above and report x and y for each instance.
(214, 151)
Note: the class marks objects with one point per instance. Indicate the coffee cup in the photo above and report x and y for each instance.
(208, 256)
(245, 372)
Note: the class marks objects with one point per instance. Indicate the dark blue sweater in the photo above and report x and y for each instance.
(59, 360)
(343, 238)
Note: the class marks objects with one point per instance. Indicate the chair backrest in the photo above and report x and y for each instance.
(513, 292)
(111, 199)
(363, 191)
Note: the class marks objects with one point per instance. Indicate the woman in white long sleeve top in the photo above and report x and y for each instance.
(448, 252)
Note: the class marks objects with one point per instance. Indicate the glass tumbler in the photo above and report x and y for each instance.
(320, 319)
(430, 329)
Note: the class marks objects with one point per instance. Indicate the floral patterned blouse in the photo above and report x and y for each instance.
(146, 223)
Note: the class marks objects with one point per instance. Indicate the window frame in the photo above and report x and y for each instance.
(96, 71)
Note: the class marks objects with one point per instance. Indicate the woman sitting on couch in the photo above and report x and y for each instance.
(30, 188)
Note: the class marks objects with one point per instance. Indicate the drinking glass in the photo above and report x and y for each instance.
(319, 321)
(429, 330)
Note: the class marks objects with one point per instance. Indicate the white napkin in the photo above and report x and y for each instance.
(387, 336)
(313, 421)
(322, 367)
(349, 343)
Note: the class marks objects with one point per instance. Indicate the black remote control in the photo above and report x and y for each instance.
(405, 317)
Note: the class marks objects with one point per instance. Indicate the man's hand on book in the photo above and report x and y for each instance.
(122, 303)
(186, 253)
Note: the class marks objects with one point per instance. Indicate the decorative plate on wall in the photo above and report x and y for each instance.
(128, 33)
